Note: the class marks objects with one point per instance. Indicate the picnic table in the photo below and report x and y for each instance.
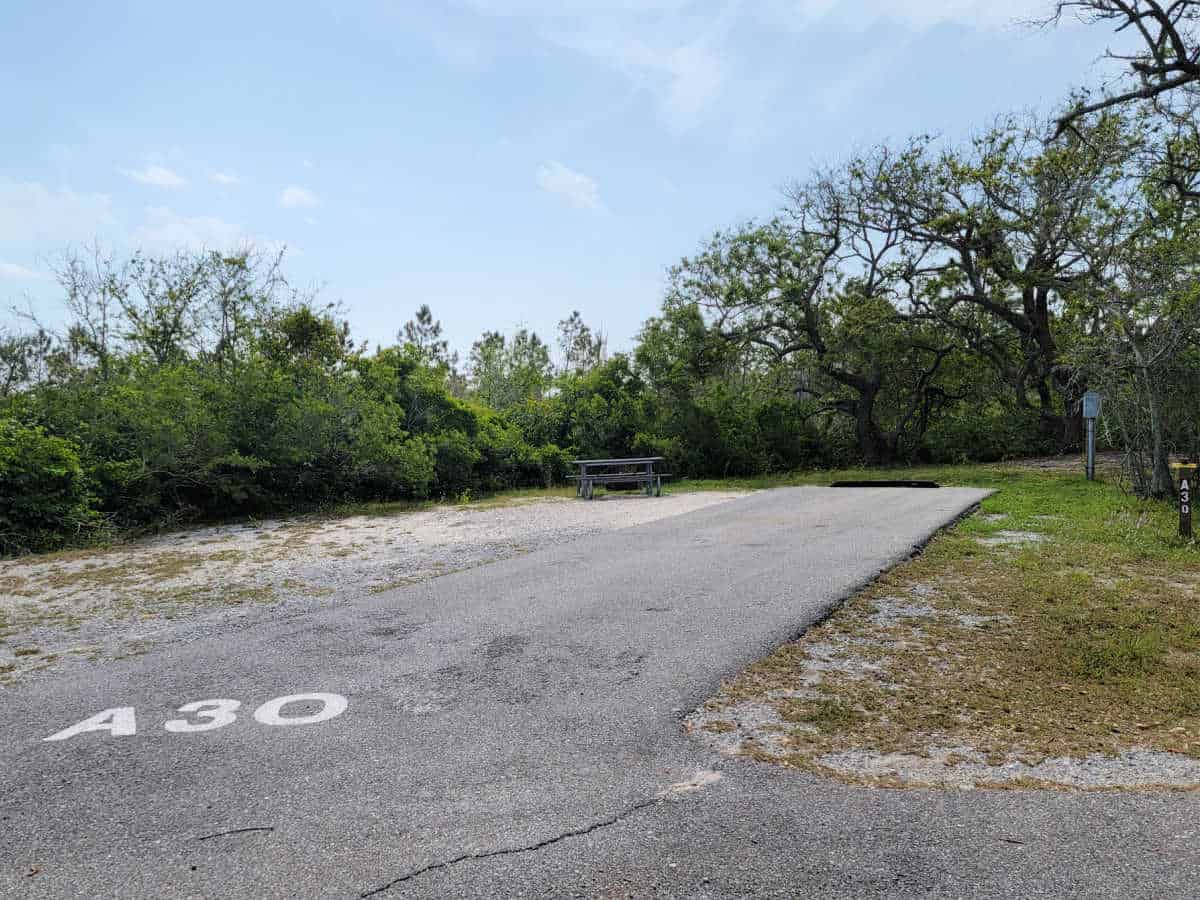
(638, 470)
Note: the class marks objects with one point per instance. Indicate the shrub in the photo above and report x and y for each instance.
(455, 462)
(985, 434)
(44, 495)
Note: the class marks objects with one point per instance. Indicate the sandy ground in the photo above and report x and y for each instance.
(67, 608)
(754, 725)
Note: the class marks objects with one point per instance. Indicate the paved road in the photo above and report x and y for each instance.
(514, 730)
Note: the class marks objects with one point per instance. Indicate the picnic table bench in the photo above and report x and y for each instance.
(639, 470)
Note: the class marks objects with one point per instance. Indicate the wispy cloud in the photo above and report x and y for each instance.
(687, 78)
(861, 14)
(225, 179)
(577, 189)
(295, 197)
(155, 176)
(703, 62)
(870, 75)
(165, 228)
(21, 273)
(30, 210)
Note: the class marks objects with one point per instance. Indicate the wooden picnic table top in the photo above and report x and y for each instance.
(614, 462)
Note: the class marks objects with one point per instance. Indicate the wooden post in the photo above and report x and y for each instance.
(1187, 475)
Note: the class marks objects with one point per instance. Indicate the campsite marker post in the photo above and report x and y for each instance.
(1187, 478)
(1091, 410)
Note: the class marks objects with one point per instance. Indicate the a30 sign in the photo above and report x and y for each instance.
(1185, 501)
(208, 715)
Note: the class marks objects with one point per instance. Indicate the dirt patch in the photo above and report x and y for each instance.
(963, 767)
(84, 605)
(1012, 538)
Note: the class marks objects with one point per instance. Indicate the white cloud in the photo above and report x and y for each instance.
(165, 228)
(310, 220)
(308, 164)
(579, 190)
(871, 74)
(686, 78)
(917, 12)
(21, 273)
(574, 8)
(30, 211)
(225, 179)
(295, 197)
(700, 59)
(155, 176)
(860, 14)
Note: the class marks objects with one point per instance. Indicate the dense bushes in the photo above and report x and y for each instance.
(252, 406)
(185, 441)
(44, 496)
(986, 433)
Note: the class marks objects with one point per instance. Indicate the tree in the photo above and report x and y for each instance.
(241, 287)
(818, 293)
(505, 372)
(987, 236)
(1161, 82)
(94, 287)
(1138, 312)
(162, 303)
(582, 350)
(425, 333)
(23, 360)
(167, 306)
(1166, 60)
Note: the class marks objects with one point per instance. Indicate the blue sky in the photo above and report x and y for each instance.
(505, 161)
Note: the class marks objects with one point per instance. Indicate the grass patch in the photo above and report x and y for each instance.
(1087, 641)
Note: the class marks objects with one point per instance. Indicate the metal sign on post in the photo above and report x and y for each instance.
(1091, 411)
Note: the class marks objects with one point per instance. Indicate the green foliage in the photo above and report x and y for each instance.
(987, 433)
(275, 410)
(44, 496)
(506, 372)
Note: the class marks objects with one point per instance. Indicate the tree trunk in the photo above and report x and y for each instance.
(1162, 485)
(871, 442)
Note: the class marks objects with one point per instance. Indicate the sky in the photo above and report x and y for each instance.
(504, 161)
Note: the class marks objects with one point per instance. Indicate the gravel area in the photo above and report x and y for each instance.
(962, 767)
(66, 608)
(1012, 538)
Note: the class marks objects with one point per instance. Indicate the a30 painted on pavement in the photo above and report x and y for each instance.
(208, 715)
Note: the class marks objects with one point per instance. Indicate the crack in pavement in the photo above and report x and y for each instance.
(236, 831)
(508, 851)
